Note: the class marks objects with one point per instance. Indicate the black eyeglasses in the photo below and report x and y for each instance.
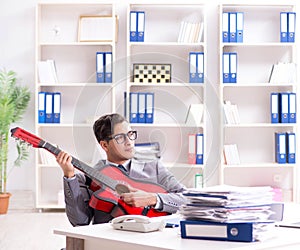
(121, 138)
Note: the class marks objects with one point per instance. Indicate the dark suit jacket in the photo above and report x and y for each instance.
(77, 192)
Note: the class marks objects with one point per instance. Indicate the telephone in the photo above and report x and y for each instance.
(138, 223)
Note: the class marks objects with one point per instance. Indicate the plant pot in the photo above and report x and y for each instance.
(4, 202)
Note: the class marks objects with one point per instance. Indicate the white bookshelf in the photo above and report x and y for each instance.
(254, 135)
(171, 100)
(82, 98)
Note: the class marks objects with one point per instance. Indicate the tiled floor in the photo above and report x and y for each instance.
(24, 228)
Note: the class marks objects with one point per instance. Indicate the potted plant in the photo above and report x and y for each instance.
(14, 100)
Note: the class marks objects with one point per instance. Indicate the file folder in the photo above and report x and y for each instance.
(108, 67)
(193, 67)
(284, 107)
(49, 108)
(274, 107)
(283, 27)
(133, 107)
(149, 107)
(56, 107)
(225, 27)
(133, 26)
(280, 147)
(42, 107)
(232, 27)
(141, 108)
(226, 68)
(140, 26)
(100, 67)
(239, 27)
(199, 148)
(291, 26)
(292, 107)
(233, 67)
(200, 67)
(226, 231)
(291, 147)
(192, 148)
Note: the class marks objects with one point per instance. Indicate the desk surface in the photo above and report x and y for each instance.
(169, 238)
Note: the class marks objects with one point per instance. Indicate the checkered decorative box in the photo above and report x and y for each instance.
(152, 73)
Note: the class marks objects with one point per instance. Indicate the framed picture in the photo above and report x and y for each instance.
(97, 28)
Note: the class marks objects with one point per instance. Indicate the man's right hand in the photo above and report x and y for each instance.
(64, 160)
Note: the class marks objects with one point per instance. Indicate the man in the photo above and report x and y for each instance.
(116, 138)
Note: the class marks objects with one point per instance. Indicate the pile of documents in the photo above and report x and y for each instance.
(147, 151)
(234, 213)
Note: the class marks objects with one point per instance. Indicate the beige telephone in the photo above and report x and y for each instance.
(138, 223)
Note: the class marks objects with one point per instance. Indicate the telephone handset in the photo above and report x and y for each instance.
(137, 223)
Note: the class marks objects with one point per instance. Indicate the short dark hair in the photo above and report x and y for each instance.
(104, 126)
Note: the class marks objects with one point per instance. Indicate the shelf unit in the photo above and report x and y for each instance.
(171, 100)
(254, 135)
(82, 98)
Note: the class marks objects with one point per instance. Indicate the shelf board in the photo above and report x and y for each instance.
(165, 125)
(260, 165)
(76, 43)
(164, 44)
(255, 85)
(260, 125)
(173, 84)
(77, 84)
(183, 165)
(258, 44)
(64, 125)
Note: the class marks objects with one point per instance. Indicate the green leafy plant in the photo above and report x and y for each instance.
(14, 100)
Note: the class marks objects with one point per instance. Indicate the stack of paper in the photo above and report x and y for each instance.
(228, 203)
(215, 212)
(283, 73)
(147, 151)
(231, 113)
(231, 155)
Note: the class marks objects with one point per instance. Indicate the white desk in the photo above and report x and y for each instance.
(105, 237)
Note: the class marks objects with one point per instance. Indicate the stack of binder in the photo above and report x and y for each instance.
(137, 26)
(230, 67)
(196, 67)
(104, 67)
(285, 147)
(283, 107)
(233, 27)
(49, 106)
(195, 148)
(287, 27)
(229, 213)
(141, 107)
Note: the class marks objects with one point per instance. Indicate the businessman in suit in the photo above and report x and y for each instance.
(116, 137)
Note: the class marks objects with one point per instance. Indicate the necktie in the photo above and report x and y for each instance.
(122, 168)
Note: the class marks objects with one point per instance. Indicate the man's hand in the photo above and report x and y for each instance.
(139, 198)
(64, 160)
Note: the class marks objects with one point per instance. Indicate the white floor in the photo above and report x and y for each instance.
(23, 227)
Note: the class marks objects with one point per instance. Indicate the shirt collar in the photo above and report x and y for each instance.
(125, 165)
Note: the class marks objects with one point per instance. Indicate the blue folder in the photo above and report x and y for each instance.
(56, 107)
(42, 107)
(280, 147)
(291, 147)
(228, 231)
